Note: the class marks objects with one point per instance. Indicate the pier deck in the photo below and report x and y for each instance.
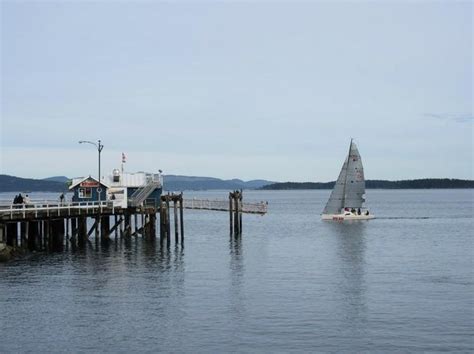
(50, 209)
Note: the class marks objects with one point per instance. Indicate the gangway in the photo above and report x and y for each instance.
(223, 205)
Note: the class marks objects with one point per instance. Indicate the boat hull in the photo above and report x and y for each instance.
(344, 217)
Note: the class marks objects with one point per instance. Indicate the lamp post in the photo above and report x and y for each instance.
(99, 147)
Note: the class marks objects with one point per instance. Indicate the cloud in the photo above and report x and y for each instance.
(458, 118)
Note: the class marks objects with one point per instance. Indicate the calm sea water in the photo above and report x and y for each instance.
(291, 283)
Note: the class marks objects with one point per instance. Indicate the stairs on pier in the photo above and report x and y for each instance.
(141, 194)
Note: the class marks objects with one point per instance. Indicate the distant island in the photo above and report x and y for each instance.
(425, 183)
(181, 183)
(171, 183)
(17, 184)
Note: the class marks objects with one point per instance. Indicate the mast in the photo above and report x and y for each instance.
(345, 178)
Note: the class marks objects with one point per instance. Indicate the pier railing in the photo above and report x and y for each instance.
(223, 205)
(50, 208)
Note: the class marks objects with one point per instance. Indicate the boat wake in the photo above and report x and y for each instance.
(404, 217)
(421, 217)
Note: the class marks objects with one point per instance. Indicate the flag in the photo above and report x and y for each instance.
(124, 158)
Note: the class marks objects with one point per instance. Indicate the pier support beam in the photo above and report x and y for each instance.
(175, 210)
(115, 226)
(74, 232)
(23, 234)
(165, 217)
(162, 222)
(33, 234)
(104, 228)
(3, 233)
(168, 222)
(48, 240)
(152, 226)
(40, 235)
(12, 234)
(82, 231)
(128, 227)
(57, 235)
(181, 217)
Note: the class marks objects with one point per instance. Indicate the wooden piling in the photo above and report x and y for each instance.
(57, 235)
(135, 217)
(47, 235)
(3, 236)
(82, 231)
(240, 212)
(33, 234)
(152, 226)
(40, 235)
(12, 233)
(181, 217)
(127, 225)
(168, 223)
(162, 229)
(175, 210)
(66, 233)
(23, 233)
(236, 213)
(96, 228)
(104, 228)
(231, 198)
(115, 225)
(74, 230)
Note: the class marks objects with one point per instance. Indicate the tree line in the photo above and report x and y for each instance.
(425, 183)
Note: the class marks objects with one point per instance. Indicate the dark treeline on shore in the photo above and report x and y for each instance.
(58, 184)
(426, 183)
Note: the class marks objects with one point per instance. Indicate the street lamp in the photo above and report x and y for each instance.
(99, 147)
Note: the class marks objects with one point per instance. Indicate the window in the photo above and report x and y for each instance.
(85, 192)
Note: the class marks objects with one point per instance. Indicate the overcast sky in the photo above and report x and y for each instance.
(271, 90)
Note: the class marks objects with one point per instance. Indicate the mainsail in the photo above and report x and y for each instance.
(349, 189)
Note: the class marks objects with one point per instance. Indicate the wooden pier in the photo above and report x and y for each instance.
(43, 225)
(51, 226)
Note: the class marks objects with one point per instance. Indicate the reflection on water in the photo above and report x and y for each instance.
(237, 294)
(351, 263)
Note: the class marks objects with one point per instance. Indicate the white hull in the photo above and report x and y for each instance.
(342, 217)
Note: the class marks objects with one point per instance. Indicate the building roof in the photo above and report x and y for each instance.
(79, 180)
(137, 179)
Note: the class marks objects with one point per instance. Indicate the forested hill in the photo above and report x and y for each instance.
(17, 184)
(171, 183)
(426, 183)
(58, 184)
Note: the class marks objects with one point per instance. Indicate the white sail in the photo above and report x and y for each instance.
(349, 189)
(336, 199)
(355, 182)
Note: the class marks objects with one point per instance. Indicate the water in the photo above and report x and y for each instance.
(292, 283)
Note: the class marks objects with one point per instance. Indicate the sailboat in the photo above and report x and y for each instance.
(347, 197)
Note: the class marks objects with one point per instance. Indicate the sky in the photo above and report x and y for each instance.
(237, 89)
